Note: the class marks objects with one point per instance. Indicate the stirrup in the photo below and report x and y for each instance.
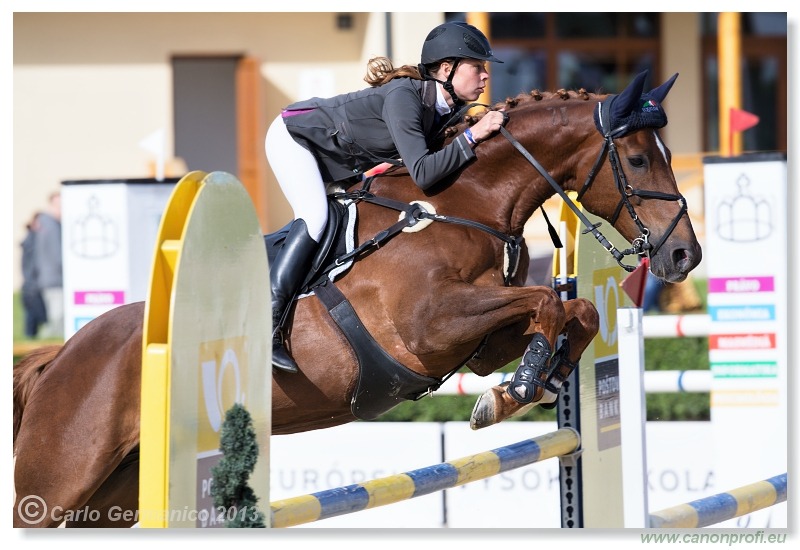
(533, 367)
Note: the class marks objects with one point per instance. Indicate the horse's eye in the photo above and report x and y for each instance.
(636, 162)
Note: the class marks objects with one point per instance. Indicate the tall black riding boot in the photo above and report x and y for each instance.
(286, 275)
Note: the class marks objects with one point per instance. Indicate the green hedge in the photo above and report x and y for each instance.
(660, 354)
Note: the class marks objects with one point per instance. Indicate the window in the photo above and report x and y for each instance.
(763, 46)
(600, 52)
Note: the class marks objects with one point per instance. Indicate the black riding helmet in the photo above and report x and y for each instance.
(454, 40)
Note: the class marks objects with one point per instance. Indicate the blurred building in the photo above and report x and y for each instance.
(89, 88)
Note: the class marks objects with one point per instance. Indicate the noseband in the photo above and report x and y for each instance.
(641, 245)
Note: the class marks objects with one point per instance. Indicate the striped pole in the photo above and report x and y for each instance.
(724, 506)
(655, 381)
(677, 381)
(676, 326)
(415, 483)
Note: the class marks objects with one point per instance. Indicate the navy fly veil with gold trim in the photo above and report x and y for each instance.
(619, 117)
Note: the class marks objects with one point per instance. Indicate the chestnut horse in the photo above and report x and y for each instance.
(435, 299)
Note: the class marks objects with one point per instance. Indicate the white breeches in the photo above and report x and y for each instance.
(297, 173)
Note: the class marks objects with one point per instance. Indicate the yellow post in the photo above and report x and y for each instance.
(156, 360)
(480, 20)
(730, 82)
(206, 334)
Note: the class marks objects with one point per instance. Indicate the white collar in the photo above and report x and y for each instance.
(441, 103)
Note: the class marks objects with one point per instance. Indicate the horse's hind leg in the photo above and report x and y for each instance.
(498, 403)
(116, 502)
(49, 492)
(46, 488)
(50, 488)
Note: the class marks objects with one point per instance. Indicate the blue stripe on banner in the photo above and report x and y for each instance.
(715, 509)
(779, 482)
(343, 500)
(518, 454)
(433, 478)
(744, 313)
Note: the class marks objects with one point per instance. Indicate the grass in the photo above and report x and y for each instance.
(23, 344)
(19, 319)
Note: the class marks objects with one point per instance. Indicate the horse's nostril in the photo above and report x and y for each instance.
(679, 255)
(685, 259)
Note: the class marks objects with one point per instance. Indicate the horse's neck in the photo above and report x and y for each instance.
(557, 134)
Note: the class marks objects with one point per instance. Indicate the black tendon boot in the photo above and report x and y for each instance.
(532, 371)
(286, 274)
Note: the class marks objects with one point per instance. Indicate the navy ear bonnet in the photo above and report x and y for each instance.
(633, 109)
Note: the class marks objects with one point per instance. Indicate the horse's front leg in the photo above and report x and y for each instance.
(514, 318)
(538, 380)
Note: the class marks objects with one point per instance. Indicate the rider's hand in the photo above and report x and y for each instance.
(488, 125)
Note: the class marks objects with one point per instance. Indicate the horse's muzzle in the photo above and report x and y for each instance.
(674, 261)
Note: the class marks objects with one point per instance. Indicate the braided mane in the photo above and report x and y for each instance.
(520, 101)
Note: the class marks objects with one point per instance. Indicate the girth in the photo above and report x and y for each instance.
(382, 381)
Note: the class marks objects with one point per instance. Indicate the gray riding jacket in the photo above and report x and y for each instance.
(350, 133)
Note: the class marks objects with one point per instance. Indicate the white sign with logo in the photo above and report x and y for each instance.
(109, 231)
(745, 256)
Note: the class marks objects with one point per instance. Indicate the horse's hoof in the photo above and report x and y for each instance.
(484, 413)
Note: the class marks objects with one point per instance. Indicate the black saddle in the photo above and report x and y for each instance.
(333, 245)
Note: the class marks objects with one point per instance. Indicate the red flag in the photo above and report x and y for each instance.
(634, 284)
(742, 120)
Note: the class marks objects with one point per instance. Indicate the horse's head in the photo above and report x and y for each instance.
(636, 189)
(607, 148)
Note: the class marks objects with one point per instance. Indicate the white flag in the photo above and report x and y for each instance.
(154, 143)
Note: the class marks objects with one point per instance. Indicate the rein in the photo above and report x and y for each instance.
(590, 227)
(641, 245)
(415, 213)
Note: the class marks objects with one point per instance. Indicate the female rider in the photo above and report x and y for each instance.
(320, 141)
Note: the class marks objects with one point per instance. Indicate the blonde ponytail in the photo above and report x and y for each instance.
(380, 71)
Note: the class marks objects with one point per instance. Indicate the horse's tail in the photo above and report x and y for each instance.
(26, 374)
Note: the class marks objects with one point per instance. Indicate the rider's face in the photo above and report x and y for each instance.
(470, 79)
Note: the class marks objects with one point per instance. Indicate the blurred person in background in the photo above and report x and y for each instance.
(47, 255)
(32, 301)
(672, 298)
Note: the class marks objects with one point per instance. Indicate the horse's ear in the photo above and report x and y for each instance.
(661, 92)
(628, 100)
